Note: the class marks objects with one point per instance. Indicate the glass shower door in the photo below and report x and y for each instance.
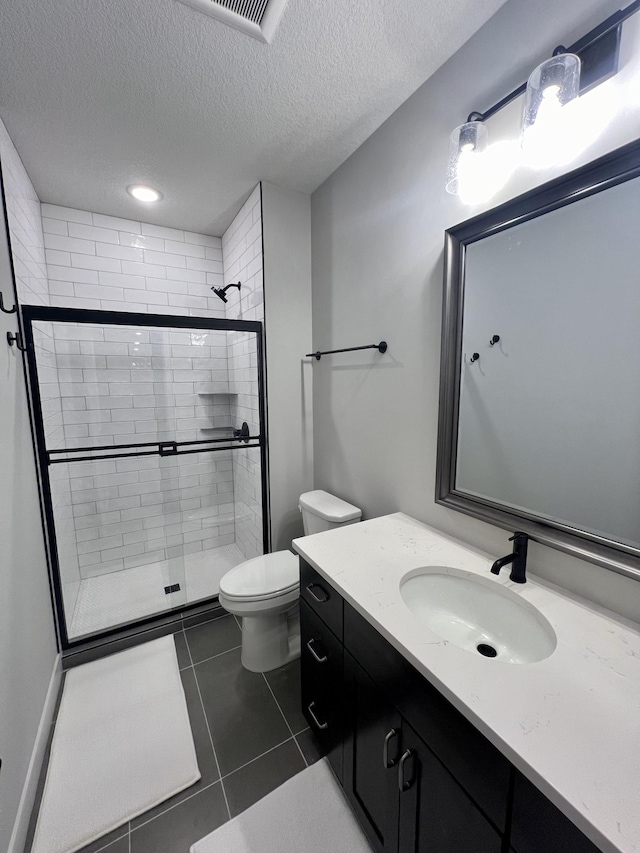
(152, 454)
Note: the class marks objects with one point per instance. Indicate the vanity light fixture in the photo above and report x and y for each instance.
(144, 193)
(466, 145)
(553, 85)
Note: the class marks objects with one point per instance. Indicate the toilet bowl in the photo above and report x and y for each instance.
(264, 591)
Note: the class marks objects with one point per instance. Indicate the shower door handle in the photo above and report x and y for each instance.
(167, 448)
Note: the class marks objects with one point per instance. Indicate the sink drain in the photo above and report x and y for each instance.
(486, 650)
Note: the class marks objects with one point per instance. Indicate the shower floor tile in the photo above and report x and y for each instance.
(106, 601)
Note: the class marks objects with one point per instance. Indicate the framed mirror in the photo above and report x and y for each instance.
(539, 423)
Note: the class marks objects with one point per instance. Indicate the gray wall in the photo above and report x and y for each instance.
(377, 238)
(287, 284)
(28, 657)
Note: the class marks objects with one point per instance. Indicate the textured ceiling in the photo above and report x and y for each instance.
(98, 94)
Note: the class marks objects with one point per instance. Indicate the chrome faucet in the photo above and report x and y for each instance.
(518, 559)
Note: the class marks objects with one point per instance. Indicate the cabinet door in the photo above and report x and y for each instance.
(436, 815)
(322, 690)
(373, 740)
(538, 825)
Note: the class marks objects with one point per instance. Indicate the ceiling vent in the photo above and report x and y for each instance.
(257, 18)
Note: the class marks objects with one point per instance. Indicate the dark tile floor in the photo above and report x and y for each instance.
(249, 733)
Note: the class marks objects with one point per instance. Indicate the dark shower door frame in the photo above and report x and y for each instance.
(33, 313)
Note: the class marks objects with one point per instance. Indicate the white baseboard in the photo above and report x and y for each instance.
(21, 825)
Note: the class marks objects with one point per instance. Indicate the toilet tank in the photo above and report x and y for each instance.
(322, 511)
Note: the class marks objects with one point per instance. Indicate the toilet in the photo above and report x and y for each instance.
(264, 591)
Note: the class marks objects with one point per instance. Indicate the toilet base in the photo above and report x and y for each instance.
(270, 641)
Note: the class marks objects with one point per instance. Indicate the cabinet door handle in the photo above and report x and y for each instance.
(312, 593)
(403, 785)
(315, 654)
(320, 725)
(385, 749)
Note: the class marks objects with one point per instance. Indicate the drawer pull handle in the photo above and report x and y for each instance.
(403, 785)
(317, 598)
(320, 725)
(315, 654)
(388, 764)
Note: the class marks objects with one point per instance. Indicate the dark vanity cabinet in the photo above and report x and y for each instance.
(372, 742)
(322, 665)
(538, 825)
(419, 754)
(419, 776)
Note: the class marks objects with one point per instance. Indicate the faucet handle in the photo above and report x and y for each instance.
(515, 536)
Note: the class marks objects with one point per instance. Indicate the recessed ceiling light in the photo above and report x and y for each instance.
(143, 193)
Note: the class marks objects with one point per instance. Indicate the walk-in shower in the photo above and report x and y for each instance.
(152, 452)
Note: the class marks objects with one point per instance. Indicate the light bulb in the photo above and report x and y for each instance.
(144, 193)
(466, 145)
(551, 87)
(551, 91)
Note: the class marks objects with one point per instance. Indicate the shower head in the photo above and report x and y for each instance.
(221, 291)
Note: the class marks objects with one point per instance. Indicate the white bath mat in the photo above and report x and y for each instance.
(308, 814)
(121, 745)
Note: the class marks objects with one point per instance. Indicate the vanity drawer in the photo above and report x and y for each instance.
(321, 598)
(474, 762)
(321, 685)
(321, 652)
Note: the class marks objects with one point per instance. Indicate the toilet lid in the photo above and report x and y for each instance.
(263, 576)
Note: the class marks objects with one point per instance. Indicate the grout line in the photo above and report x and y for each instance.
(304, 757)
(213, 657)
(215, 755)
(206, 622)
(170, 808)
(302, 731)
(285, 719)
(113, 841)
(262, 755)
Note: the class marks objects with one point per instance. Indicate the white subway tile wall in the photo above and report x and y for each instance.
(118, 385)
(25, 227)
(28, 255)
(51, 402)
(112, 264)
(242, 252)
(131, 512)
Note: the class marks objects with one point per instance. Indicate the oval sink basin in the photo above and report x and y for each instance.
(477, 614)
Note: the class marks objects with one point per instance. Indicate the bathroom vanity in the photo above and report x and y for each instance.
(441, 749)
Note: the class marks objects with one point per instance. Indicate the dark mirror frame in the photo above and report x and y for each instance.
(620, 165)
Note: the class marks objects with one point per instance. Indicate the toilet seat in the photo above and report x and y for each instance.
(262, 578)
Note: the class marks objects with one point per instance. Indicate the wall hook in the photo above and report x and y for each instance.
(494, 340)
(474, 357)
(17, 340)
(7, 310)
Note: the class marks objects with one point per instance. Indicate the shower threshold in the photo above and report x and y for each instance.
(107, 601)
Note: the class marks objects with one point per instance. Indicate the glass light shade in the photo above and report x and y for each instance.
(467, 142)
(551, 86)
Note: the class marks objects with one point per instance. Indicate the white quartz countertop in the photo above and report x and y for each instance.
(570, 723)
